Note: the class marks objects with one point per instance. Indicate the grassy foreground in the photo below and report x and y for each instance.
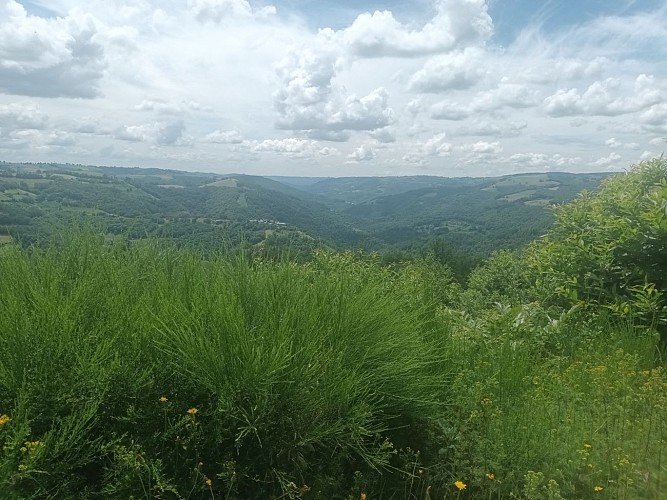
(135, 370)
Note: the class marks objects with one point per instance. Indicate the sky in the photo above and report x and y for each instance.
(335, 87)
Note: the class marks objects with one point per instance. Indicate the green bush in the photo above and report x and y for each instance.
(609, 250)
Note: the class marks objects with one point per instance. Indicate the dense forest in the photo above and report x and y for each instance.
(391, 215)
(146, 353)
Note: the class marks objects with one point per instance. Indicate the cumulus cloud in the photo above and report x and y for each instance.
(384, 135)
(435, 146)
(170, 107)
(55, 57)
(456, 23)
(483, 148)
(309, 100)
(602, 98)
(448, 110)
(613, 143)
(505, 95)
(549, 69)
(20, 116)
(224, 137)
(293, 148)
(159, 133)
(215, 11)
(607, 161)
(542, 161)
(654, 119)
(458, 70)
(493, 129)
(59, 138)
(365, 152)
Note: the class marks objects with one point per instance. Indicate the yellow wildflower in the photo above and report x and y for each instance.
(31, 445)
(598, 488)
(362, 496)
(208, 482)
(490, 475)
(460, 485)
(590, 466)
(192, 411)
(587, 446)
(163, 399)
(4, 419)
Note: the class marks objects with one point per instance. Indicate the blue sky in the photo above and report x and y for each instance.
(313, 87)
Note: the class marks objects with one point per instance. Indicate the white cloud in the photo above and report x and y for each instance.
(646, 155)
(294, 148)
(602, 98)
(505, 95)
(423, 89)
(170, 107)
(654, 119)
(613, 143)
(159, 133)
(457, 70)
(493, 129)
(217, 10)
(437, 146)
(448, 110)
(308, 99)
(541, 161)
(483, 148)
(549, 69)
(55, 57)
(365, 152)
(511, 95)
(456, 23)
(224, 137)
(607, 161)
(21, 115)
(59, 138)
(384, 135)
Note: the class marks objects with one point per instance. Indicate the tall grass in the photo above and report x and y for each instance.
(150, 371)
(583, 419)
(136, 370)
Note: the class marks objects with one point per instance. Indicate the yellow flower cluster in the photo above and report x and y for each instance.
(192, 411)
(598, 488)
(4, 419)
(30, 446)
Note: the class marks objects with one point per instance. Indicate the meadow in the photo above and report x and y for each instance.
(136, 369)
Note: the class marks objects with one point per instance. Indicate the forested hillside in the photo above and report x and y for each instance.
(474, 216)
(137, 368)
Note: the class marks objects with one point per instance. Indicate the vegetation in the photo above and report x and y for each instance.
(135, 368)
(473, 217)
